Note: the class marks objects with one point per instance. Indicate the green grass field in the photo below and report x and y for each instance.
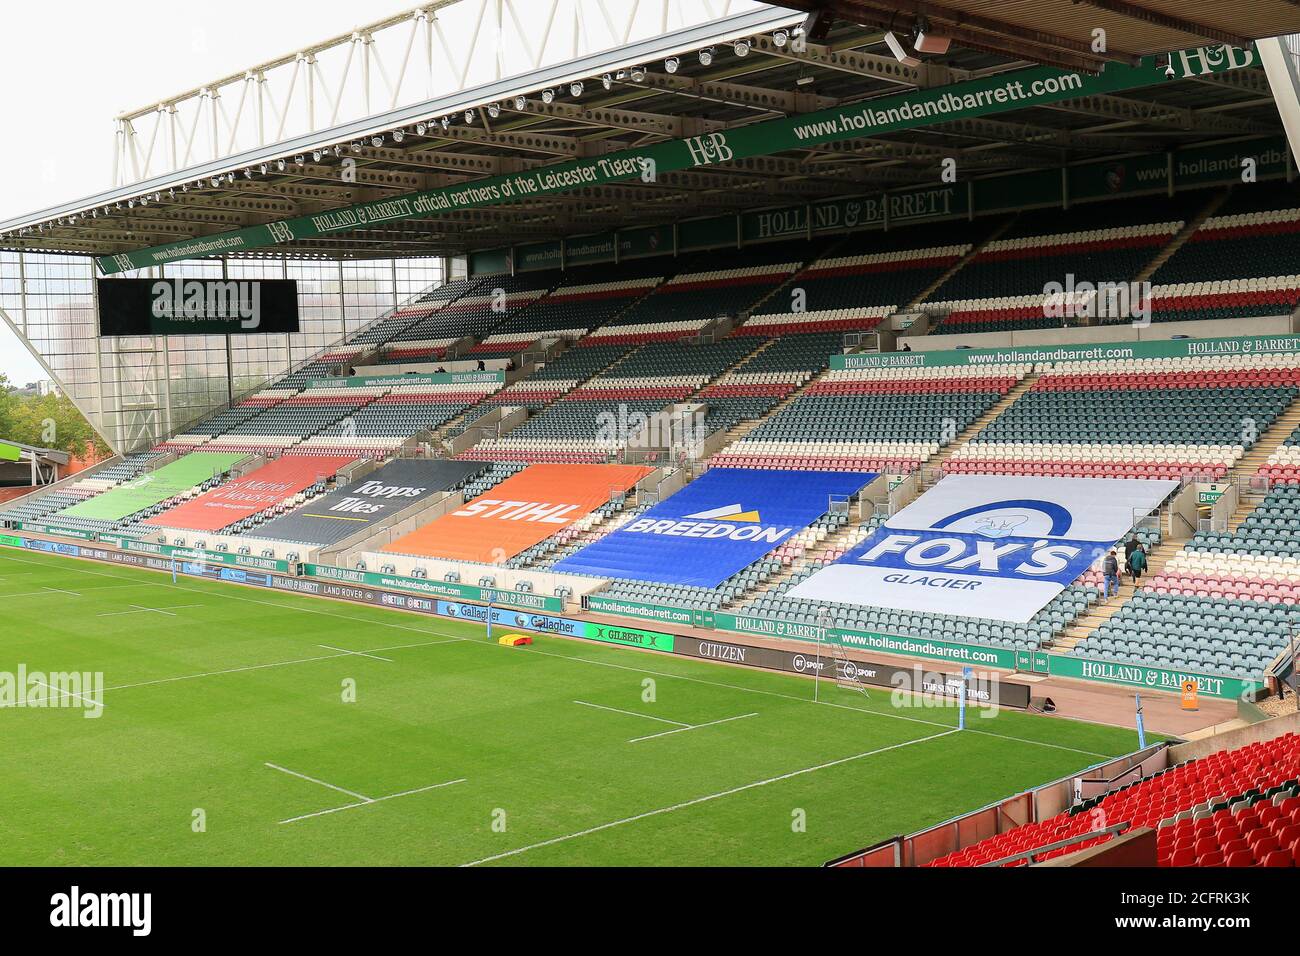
(230, 701)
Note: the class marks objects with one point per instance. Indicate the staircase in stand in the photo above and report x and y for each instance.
(1180, 238)
(957, 266)
(1269, 442)
(840, 540)
(933, 468)
(1101, 612)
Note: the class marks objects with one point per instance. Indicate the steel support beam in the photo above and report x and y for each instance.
(1284, 80)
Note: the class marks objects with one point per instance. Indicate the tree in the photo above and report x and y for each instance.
(47, 421)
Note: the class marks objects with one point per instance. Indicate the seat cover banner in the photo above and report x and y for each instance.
(991, 547)
(368, 500)
(154, 487)
(520, 512)
(255, 492)
(717, 525)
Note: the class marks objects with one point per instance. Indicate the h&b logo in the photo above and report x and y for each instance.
(706, 150)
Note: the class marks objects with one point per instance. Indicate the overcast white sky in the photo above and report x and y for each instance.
(68, 67)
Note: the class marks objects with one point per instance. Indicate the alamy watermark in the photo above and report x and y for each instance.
(68, 690)
(921, 688)
(1123, 301)
(197, 300)
(627, 427)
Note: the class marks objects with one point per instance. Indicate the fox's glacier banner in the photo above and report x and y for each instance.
(993, 547)
(718, 524)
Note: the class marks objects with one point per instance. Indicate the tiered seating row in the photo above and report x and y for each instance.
(861, 319)
(1149, 418)
(889, 420)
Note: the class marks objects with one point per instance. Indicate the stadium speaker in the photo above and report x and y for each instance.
(900, 52)
(927, 42)
(1042, 705)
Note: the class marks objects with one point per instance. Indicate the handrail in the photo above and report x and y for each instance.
(1058, 845)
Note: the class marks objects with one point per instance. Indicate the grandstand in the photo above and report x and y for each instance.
(633, 348)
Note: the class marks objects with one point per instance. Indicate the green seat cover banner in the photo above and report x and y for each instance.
(153, 486)
(10, 452)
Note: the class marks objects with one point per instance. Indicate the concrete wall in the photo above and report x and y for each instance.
(1221, 511)
(543, 582)
(1134, 848)
(1183, 511)
(429, 368)
(898, 499)
(255, 546)
(473, 433)
(1232, 739)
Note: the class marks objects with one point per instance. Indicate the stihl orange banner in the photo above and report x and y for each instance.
(520, 512)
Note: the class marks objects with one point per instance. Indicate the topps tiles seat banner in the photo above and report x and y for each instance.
(720, 523)
(373, 498)
(993, 547)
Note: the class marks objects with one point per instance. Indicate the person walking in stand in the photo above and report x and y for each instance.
(1137, 562)
(1110, 572)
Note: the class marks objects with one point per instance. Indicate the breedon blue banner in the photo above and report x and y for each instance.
(994, 547)
(718, 524)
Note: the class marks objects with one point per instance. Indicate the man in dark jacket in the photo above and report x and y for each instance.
(1110, 572)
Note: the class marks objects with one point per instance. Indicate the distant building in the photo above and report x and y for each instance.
(38, 389)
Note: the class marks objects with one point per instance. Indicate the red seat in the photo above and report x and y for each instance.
(1235, 846)
(1264, 843)
(1206, 845)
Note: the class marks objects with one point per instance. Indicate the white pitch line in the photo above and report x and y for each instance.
(302, 776)
(68, 693)
(139, 609)
(368, 802)
(342, 650)
(705, 799)
(1041, 743)
(682, 730)
(632, 713)
(258, 667)
(46, 591)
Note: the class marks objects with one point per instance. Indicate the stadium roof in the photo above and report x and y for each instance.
(634, 98)
(48, 456)
(1063, 32)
